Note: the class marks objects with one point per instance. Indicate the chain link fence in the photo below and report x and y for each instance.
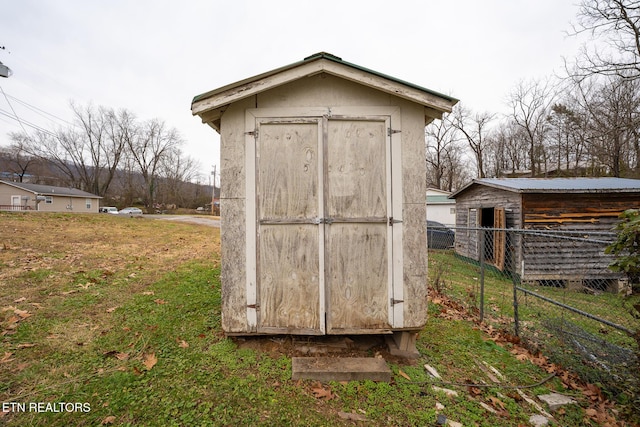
(551, 288)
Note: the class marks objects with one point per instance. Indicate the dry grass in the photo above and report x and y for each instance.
(65, 274)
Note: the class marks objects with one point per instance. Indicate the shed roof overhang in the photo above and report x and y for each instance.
(210, 105)
(556, 185)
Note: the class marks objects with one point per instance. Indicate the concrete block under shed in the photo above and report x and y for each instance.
(340, 369)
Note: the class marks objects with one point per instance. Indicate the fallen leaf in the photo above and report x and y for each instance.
(497, 402)
(591, 412)
(402, 374)
(148, 293)
(22, 313)
(112, 309)
(183, 344)
(159, 301)
(475, 391)
(6, 358)
(26, 345)
(108, 420)
(20, 299)
(149, 361)
(36, 304)
(322, 393)
(123, 356)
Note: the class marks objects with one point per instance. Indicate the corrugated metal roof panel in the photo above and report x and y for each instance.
(558, 185)
(528, 185)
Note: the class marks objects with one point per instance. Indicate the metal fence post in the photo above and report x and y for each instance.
(482, 275)
(515, 294)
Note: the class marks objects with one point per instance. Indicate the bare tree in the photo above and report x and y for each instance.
(530, 103)
(612, 108)
(16, 160)
(152, 142)
(474, 128)
(616, 25)
(440, 137)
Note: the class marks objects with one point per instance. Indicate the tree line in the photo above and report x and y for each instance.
(112, 154)
(583, 123)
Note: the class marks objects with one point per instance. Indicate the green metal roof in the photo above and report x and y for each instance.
(330, 57)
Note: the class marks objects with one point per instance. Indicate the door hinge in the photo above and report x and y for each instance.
(394, 221)
(253, 133)
(392, 131)
(254, 306)
(396, 301)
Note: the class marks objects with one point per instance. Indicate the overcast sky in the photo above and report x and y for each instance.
(153, 56)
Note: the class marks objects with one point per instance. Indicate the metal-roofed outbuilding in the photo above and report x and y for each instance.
(323, 220)
(585, 205)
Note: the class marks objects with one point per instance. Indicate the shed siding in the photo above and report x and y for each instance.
(326, 91)
(572, 260)
(467, 207)
(543, 257)
(414, 216)
(232, 219)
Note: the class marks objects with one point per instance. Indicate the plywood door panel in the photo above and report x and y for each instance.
(289, 278)
(356, 169)
(288, 267)
(357, 277)
(358, 233)
(288, 171)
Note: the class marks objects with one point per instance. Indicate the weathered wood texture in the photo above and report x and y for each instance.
(357, 251)
(233, 273)
(414, 217)
(536, 257)
(415, 265)
(356, 175)
(468, 208)
(357, 277)
(288, 260)
(232, 152)
(595, 211)
(287, 171)
(288, 278)
(357, 245)
(549, 258)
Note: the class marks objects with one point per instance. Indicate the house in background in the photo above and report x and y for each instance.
(440, 207)
(584, 208)
(18, 196)
(322, 201)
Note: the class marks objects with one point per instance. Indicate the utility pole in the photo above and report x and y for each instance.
(213, 190)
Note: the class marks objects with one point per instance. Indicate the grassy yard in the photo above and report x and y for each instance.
(116, 321)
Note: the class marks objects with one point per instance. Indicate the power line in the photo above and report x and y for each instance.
(14, 111)
(23, 122)
(39, 111)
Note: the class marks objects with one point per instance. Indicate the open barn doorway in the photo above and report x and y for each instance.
(494, 240)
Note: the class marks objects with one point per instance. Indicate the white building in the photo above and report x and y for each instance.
(440, 207)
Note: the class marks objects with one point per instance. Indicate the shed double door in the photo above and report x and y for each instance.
(324, 226)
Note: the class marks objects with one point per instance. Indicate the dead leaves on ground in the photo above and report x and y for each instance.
(149, 361)
(600, 408)
(15, 316)
(321, 391)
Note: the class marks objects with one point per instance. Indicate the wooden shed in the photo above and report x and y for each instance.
(322, 199)
(586, 206)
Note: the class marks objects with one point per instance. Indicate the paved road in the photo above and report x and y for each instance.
(211, 221)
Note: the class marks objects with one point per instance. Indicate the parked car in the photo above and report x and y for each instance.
(439, 236)
(130, 212)
(108, 209)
